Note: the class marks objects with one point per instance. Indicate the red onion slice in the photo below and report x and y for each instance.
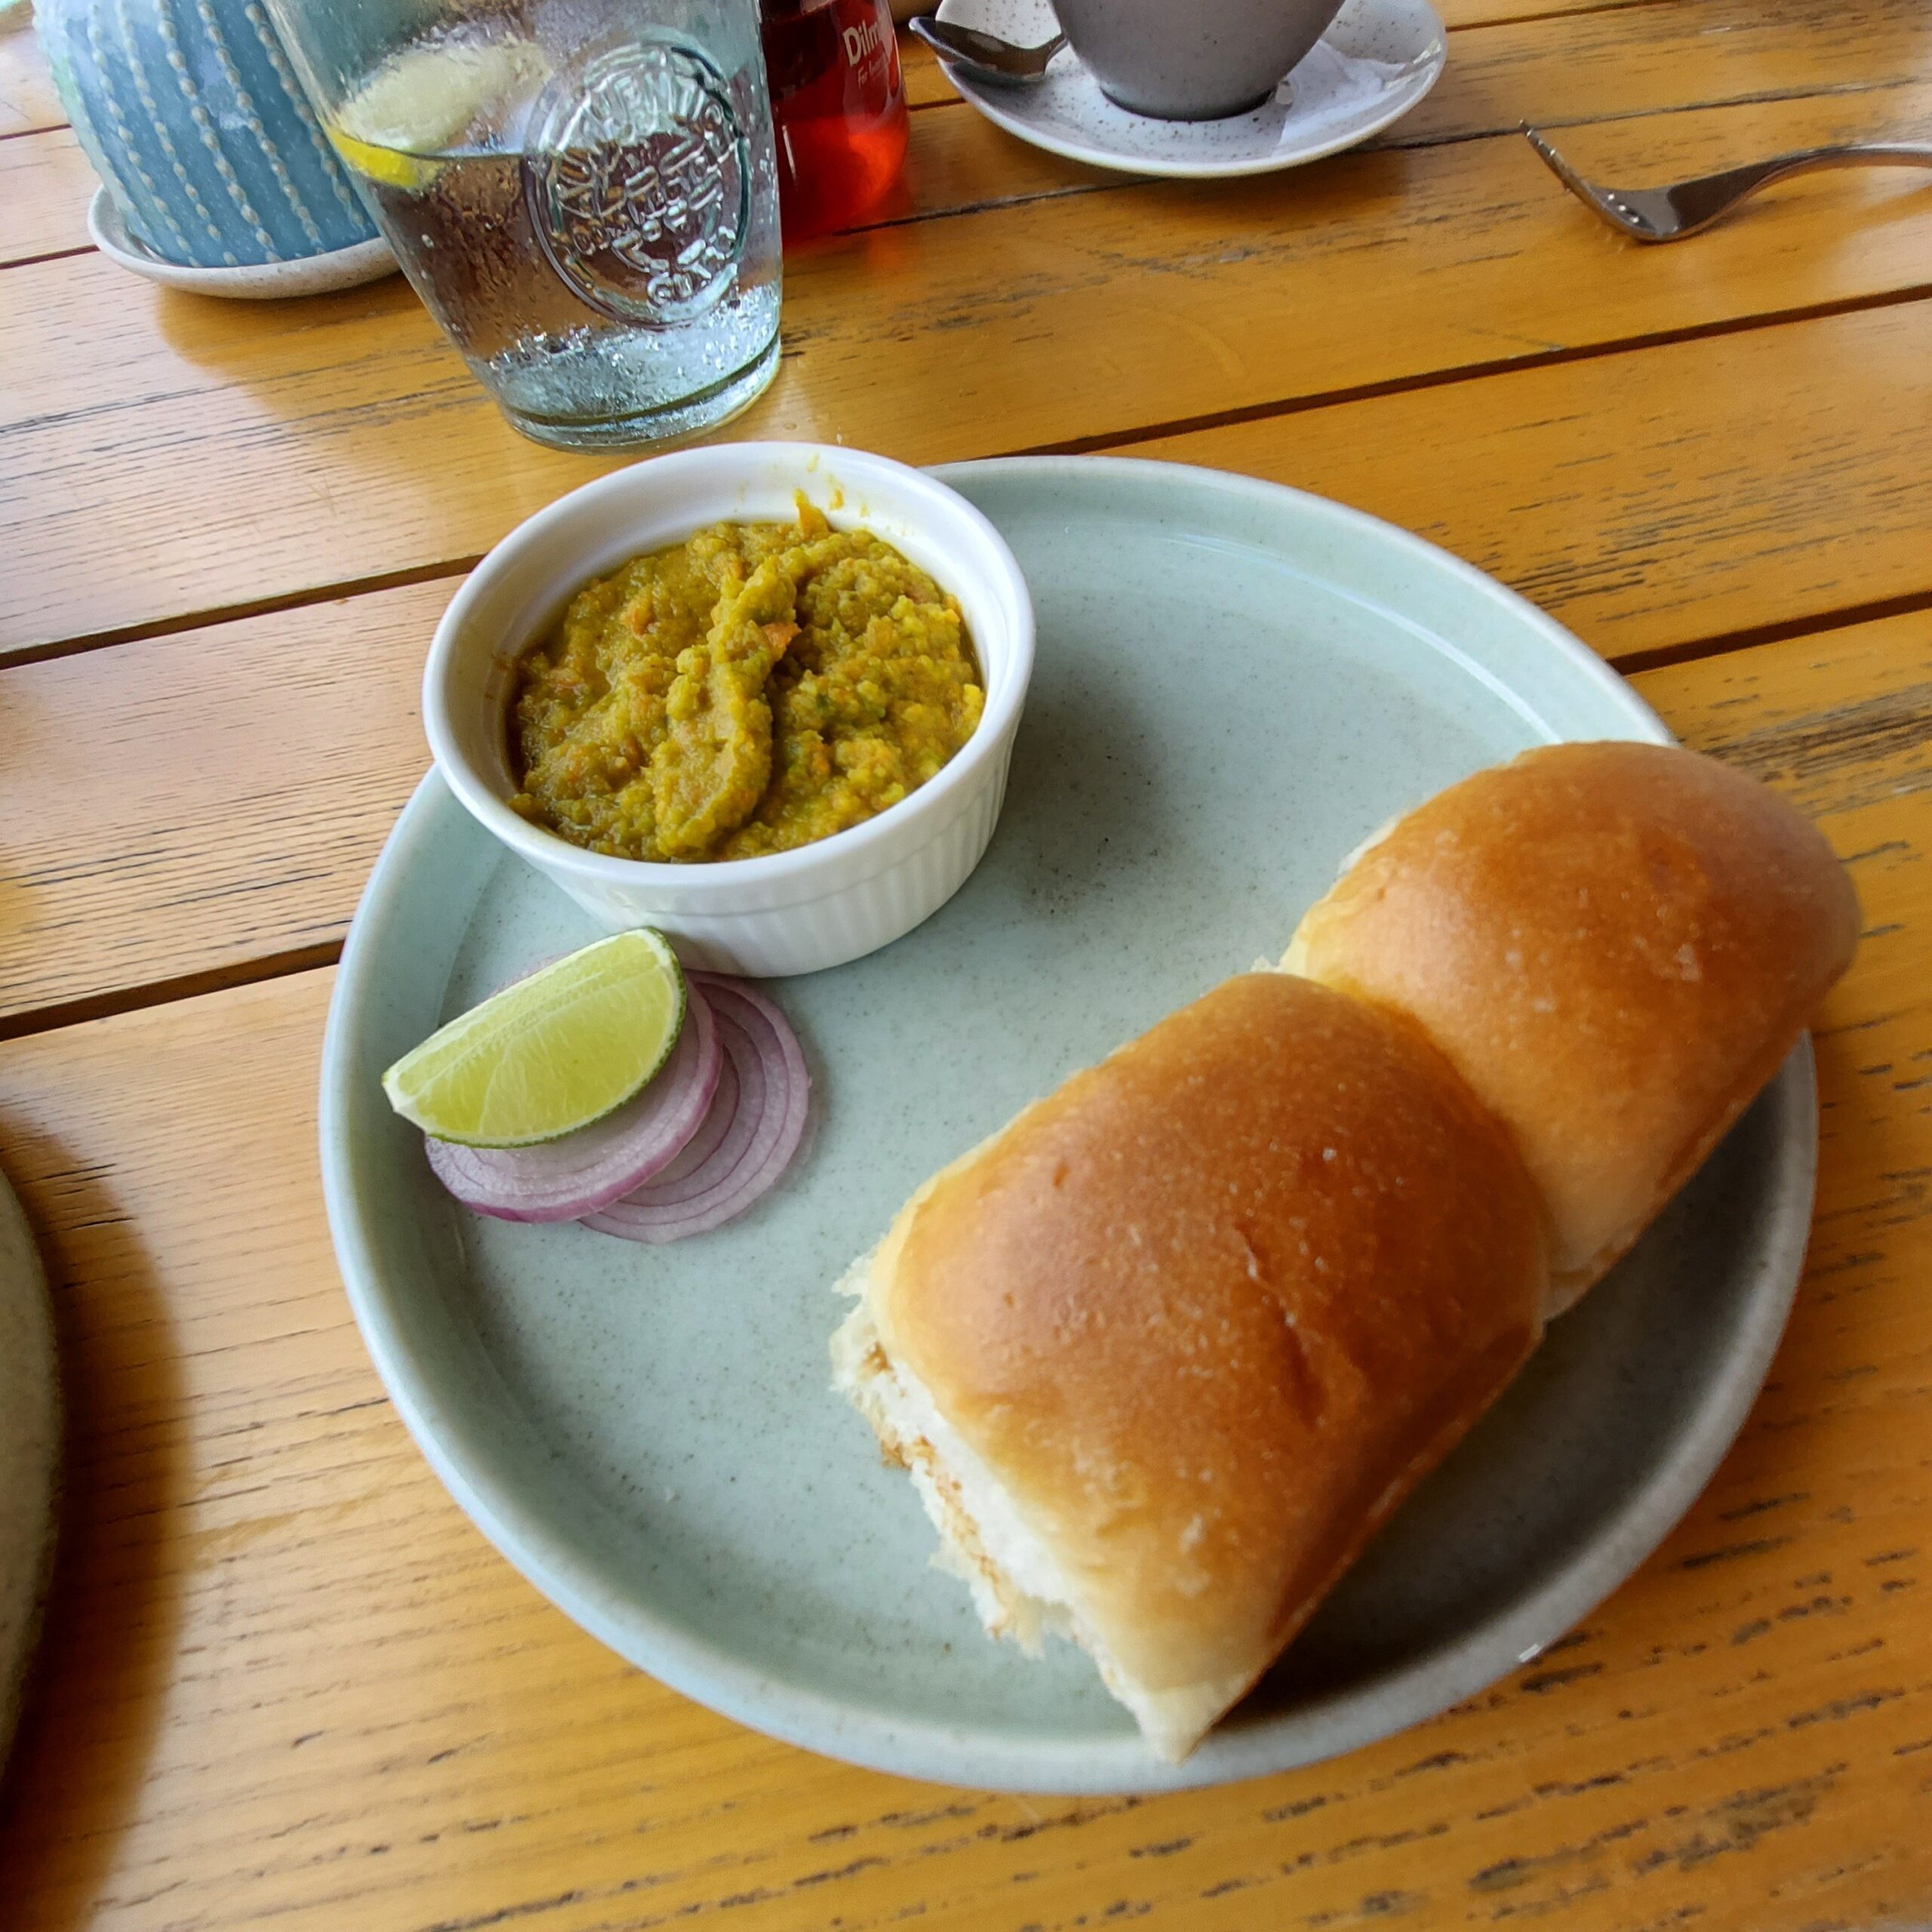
(755, 1146)
(728, 1119)
(564, 1180)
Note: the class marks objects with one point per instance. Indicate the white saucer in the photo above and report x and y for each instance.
(1378, 60)
(254, 281)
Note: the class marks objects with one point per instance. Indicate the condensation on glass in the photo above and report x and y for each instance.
(583, 192)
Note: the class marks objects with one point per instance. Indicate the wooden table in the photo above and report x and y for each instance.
(286, 1684)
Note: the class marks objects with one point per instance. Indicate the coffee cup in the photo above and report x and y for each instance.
(1192, 60)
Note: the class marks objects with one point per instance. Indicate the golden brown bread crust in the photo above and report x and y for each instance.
(1210, 1311)
(1616, 944)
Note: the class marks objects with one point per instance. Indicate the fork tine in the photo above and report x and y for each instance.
(1560, 167)
(1613, 205)
(1534, 136)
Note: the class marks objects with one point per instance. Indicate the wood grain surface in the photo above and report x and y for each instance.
(1652, 499)
(1640, 497)
(1606, 64)
(927, 86)
(288, 1684)
(313, 712)
(27, 100)
(350, 443)
(45, 183)
(1611, 61)
(1668, 22)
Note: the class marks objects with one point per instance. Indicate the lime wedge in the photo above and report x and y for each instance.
(551, 1053)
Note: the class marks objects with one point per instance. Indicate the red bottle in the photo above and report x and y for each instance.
(838, 110)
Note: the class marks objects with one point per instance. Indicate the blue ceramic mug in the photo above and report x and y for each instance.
(192, 117)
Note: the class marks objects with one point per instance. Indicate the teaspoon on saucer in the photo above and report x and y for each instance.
(985, 54)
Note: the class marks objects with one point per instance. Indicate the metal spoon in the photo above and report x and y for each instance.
(1668, 214)
(985, 54)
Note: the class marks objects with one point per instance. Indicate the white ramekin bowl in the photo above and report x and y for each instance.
(790, 912)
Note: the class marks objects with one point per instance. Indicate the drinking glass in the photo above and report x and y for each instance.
(582, 191)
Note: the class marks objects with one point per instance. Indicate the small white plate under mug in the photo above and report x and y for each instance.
(1378, 61)
(250, 281)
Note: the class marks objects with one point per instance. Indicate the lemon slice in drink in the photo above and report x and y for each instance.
(551, 1053)
(427, 98)
(390, 166)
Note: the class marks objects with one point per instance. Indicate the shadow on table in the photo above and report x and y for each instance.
(96, 1689)
(380, 416)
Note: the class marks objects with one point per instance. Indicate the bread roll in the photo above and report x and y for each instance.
(1163, 1354)
(1617, 945)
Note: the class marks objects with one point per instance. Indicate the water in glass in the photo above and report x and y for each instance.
(585, 194)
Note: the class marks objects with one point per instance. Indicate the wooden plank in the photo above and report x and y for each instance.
(343, 442)
(257, 769)
(27, 99)
(28, 102)
(1621, 61)
(258, 765)
(1608, 64)
(955, 160)
(1611, 61)
(927, 86)
(1651, 498)
(286, 1684)
(1458, 14)
(45, 185)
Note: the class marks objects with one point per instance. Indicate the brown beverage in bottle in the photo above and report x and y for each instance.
(838, 110)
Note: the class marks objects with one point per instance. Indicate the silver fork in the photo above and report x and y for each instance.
(1668, 214)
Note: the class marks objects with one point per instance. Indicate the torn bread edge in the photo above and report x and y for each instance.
(1019, 1590)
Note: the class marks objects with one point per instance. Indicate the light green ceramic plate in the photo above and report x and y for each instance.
(1235, 683)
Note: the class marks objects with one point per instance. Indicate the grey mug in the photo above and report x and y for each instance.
(1192, 60)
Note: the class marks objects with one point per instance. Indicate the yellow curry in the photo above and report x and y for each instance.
(759, 686)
